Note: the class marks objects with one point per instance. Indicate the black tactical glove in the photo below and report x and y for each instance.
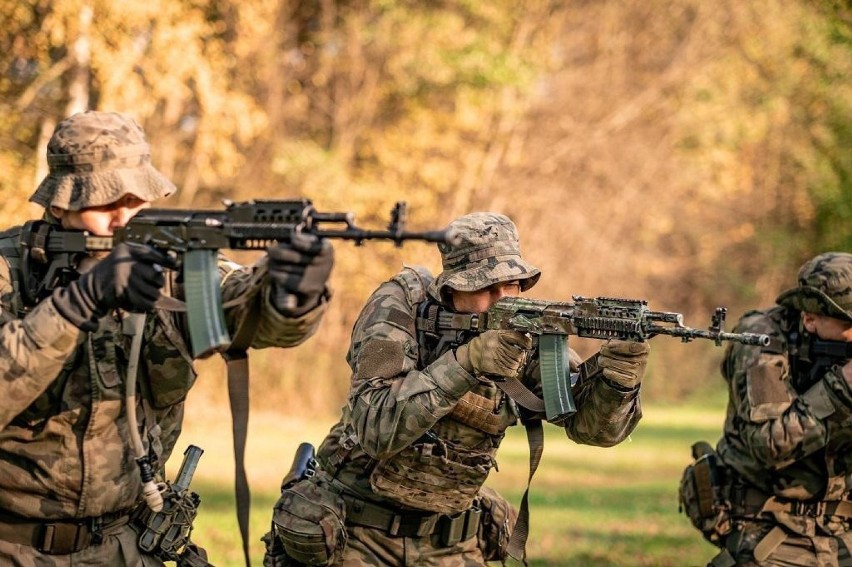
(299, 271)
(624, 362)
(495, 353)
(130, 278)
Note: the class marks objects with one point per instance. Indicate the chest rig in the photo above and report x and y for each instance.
(444, 469)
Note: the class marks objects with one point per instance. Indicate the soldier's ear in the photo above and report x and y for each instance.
(57, 212)
(809, 321)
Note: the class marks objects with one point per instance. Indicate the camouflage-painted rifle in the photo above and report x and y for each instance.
(193, 238)
(599, 318)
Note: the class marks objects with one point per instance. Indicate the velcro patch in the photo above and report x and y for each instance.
(380, 358)
(768, 392)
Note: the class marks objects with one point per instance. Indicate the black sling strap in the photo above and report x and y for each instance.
(236, 358)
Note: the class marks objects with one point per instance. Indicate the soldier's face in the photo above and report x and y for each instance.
(828, 328)
(102, 220)
(481, 299)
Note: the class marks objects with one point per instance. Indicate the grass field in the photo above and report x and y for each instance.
(589, 506)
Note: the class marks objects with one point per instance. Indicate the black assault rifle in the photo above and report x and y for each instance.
(599, 318)
(193, 238)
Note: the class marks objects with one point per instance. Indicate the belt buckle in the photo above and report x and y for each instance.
(62, 538)
(809, 509)
(410, 526)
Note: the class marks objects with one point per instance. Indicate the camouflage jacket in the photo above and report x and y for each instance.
(403, 403)
(786, 433)
(64, 443)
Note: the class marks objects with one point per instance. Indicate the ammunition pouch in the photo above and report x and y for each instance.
(165, 534)
(702, 494)
(496, 525)
(308, 522)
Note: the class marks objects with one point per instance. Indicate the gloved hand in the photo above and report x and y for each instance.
(495, 353)
(624, 362)
(130, 277)
(299, 271)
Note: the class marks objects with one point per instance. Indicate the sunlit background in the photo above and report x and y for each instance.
(686, 152)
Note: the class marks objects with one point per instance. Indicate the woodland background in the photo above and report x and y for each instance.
(689, 152)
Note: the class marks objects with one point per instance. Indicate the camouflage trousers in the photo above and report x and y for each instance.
(770, 544)
(370, 547)
(118, 549)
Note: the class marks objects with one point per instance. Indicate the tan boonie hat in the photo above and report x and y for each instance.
(487, 251)
(96, 158)
(825, 286)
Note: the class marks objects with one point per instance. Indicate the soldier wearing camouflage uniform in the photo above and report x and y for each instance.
(787, 443)
(68, 479)
(400, 476)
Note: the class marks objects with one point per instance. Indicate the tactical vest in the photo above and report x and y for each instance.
(805, 379)
(440, 472)
(166, 371)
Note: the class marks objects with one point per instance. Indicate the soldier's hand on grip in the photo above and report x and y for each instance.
(624, 362)
(130, 277)
(495, 353)
(299, 271)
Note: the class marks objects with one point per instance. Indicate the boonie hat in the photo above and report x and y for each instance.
(825, 286)
(486, 251)
(95, 158)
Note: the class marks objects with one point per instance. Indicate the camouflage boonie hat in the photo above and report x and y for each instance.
(487, 251)
(96, 158)
(825, 286)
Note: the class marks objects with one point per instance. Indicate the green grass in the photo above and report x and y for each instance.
(590, 506)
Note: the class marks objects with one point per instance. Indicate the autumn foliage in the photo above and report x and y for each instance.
(691, 153)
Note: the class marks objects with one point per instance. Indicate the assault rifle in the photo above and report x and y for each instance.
(816, 356)
(193, 239)
(599, 318)
(836, 351)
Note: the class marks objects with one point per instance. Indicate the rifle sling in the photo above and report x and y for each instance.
(521, 394)
(168, 303)
(535, 438)
(518, 539)
(236, 358)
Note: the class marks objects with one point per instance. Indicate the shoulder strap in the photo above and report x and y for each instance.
(415, 281)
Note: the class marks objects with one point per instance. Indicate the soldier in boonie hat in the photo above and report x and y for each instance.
(95, 158)
(825, 287)
(487, 251)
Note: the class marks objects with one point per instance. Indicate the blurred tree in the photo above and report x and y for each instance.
(687, 152)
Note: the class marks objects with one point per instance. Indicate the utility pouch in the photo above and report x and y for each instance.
(495, 525)
(165, 534)
(702, 494)
(308, 522)
(433, 476)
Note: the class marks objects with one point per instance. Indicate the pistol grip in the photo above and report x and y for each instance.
(204, 312)
(555, 377)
